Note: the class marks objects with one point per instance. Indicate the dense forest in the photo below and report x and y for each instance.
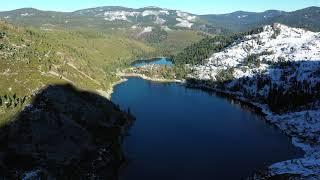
(198, 52)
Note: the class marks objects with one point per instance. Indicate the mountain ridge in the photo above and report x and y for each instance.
(107, 16)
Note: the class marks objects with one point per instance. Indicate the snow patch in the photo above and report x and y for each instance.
(146, 30)
(184, 23)
(26, 14)
(159, 21)
(154, 13)
(186, 16)
(185, 20)
(119, 15)
(243, 16)
(166, 28)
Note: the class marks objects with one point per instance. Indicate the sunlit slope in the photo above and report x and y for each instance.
(32, 59)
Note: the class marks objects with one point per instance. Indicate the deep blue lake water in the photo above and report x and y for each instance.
(183, 134)
(158, 61)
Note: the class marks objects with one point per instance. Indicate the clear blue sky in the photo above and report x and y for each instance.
(193, 6)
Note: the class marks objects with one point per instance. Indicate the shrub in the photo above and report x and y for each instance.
(276, 33)
(225, 75)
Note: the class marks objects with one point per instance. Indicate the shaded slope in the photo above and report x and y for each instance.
(65, 133)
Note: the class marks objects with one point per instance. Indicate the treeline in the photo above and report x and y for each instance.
(156, 36)
(286, 95)
(12, 101)
(198, 52)
(280, 100)
(202, 50)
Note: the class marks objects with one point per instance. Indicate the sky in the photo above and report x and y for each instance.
(191, 6)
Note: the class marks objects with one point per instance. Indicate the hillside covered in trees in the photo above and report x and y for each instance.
(198, 52)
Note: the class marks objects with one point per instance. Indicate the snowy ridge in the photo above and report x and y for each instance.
(291, 44)
(186, 20)
(160, 16)
(126, 15)
(119, 15)
(279, 60)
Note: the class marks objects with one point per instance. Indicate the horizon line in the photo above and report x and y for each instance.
(156, 7)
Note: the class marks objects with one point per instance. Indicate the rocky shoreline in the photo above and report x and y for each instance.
(123, 78)
(305, 167)
(294, 125)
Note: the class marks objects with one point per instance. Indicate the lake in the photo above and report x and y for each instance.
(157, 61)
(183, 133)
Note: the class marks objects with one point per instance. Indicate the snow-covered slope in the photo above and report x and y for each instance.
(276, 43)
(157, 16)
(278, 70)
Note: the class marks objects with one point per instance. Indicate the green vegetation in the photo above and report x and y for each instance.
(156, 36)
(202, 50)
(225, 75)
(174, 43)
(276, 33)
(32, 58)
(198, 52)
(162, 72)
(307, 18)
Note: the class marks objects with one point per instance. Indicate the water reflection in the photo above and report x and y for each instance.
(183, 133)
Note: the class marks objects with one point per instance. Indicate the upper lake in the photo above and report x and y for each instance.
(157, 61)
(183, 133)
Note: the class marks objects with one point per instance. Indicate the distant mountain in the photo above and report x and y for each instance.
(308, 18)
(121, 17)
(110, 17)
(241, 20)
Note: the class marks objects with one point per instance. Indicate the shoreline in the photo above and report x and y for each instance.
(160, 80)
(107, 94)
(280, 121)
(286, 123)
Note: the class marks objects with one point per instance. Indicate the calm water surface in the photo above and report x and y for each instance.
(187, 134)
(158, 61)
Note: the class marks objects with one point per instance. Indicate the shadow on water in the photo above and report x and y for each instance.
(64, 133)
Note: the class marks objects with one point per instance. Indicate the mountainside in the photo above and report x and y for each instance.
(241, 20)
(110, 17)
(277, 69)
(282, 56)
(113, 17)
(31, 59)
(268, 66)
(308, 18)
